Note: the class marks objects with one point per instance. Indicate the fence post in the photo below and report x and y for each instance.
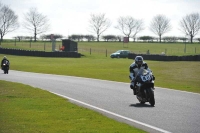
(44, 47)
(30, 43)
(165, 51)
(15, 41)
(148, 52)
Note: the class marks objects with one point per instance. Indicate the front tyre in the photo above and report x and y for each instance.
(142, 102)
(151, 97)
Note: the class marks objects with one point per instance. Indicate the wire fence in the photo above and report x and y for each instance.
(47, 47)
(172, 51)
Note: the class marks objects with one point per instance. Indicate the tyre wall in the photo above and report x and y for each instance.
(166, 58)
(39, 53)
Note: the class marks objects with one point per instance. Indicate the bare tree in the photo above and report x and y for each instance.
(160, 25)
(18, 37)
(128, 25)
(139, 27)
(190, 25)
(8, 20)
(99, 23)
(35, 22)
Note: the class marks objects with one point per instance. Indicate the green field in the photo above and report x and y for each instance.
(110, 47)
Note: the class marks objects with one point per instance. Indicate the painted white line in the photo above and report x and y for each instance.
(177, 90)
(114, 114)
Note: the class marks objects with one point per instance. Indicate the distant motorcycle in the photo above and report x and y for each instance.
(144, 83)
(5, 67)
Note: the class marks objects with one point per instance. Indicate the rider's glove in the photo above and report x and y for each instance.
(153, 77)
(133, 80)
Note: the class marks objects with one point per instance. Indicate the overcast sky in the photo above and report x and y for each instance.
(69, 17)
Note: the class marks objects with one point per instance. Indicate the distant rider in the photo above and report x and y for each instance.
(134, 68)
(6, 61)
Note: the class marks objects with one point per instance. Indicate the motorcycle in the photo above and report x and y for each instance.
(5, 67)
(144, 85)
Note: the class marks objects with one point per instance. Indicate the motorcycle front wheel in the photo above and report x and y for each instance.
(151, 97)
(142, 102)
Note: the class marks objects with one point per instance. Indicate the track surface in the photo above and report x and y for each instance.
(174, 111)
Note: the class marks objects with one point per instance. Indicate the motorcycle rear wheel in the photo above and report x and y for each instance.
(5, 71)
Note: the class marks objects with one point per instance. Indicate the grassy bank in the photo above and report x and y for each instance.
(25, 109)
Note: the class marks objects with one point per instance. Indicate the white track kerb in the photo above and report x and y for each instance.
(114, 114)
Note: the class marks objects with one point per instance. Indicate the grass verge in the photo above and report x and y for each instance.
(25, 109)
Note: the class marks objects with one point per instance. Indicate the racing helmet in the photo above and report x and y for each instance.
(4, 57)
(139, 61)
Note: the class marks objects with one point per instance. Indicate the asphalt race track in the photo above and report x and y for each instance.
(174, 111)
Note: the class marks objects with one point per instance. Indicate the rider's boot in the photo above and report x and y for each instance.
(134, 91)
(133, 88)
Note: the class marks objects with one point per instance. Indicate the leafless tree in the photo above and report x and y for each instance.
(190, 25)
(19, 38)
(8, 20)
(128, 25)
(99, 23)
(35, 22)
(160, 25)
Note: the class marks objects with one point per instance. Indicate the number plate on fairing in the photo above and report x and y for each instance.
(145, 77)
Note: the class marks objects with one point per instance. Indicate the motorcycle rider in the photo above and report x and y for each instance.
(134, 68)
(5, 60)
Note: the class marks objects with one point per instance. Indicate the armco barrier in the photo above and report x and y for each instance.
(39, 53)
(166, 58)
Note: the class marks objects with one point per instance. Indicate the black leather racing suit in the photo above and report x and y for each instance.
(134, 70)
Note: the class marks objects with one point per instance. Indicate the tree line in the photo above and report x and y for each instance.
(115, 38)
(105, 38)
(37, 24)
